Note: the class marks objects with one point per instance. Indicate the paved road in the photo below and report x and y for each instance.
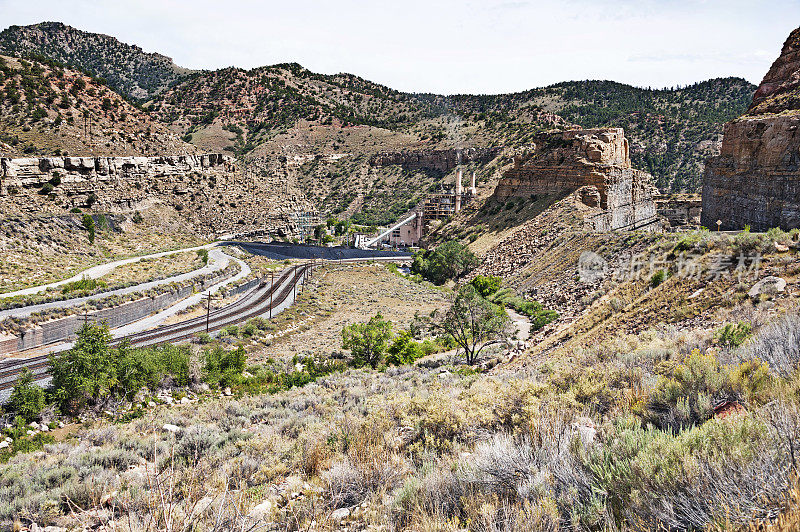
(217, 260)
(96, 272)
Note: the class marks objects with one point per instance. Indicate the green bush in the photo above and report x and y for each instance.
(369, 341)
(202, 254)
(448, 261)
(734, 334)
(539, 315)
(86, 284)
(88, 224)
(487, 285)
(659, 277)
(223, 368)
(404, 350)
(27, 399)
(91, 372)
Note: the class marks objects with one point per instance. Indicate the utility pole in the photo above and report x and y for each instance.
(271, 291)
(208, 310)
(85, 317)
(294, 288)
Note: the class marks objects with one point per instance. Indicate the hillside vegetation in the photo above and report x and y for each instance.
(48, 109)
(127, 69)
(288, 110)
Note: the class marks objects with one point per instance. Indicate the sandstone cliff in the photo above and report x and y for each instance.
(208, 190)
(755, 180)
(441, 160)
(595, 163)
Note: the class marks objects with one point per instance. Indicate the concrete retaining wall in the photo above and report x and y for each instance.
(64, 328)
(242, 288)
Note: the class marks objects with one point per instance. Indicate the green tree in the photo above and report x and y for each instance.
(27, 399)
(86, 373)
(448, 261)
(369, 341)
(88, 224)
(473, 322)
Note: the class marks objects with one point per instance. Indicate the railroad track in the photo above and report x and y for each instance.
(255, 303)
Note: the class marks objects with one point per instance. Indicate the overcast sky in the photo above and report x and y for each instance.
(448, 46)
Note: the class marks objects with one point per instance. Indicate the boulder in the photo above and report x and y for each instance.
(768, 286)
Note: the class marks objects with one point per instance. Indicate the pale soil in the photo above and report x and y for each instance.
(148, 269)
(44, 252)
(353, 294)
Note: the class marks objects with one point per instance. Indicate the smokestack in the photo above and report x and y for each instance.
(458, 190)
(472, 188)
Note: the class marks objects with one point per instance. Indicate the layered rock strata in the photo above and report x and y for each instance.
(441, 160)
(755, 180)
(207, 189)
(595, 163)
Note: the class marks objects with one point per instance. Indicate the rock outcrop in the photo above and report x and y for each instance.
(206, 189)
(441, 160)
(755, 180)
(595, 163)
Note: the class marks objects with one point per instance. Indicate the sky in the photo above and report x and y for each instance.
(448, 46)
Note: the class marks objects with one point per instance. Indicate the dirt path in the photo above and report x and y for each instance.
(522, 323)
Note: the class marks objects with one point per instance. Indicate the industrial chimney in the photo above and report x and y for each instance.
(458, 190)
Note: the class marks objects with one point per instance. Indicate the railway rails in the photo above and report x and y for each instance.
(257, 302)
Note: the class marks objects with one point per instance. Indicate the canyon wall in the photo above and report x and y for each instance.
(595, 163)
(441, 160)
(208, 190)
(755, 180)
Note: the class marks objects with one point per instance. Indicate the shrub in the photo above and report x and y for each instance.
(734, 334)
(404, 350)
(27, 399)
(487, 285)
(724, 471)
(369, 341)
(46, 189)
(223, 368)
(88, 224)
(777, 344)
(86, 284)
(202, 254)
(659, 277)
(533, 309)
(91, 373)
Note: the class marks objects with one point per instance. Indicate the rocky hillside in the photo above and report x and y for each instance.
(47, 109)
(324, 129)
(672, 131)
(753, 182)
(127, 68)
(779, 91)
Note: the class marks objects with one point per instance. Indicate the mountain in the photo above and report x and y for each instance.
(753, 181)
(672, 131)
(324, 130)
(47, 109)
(127, 68)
